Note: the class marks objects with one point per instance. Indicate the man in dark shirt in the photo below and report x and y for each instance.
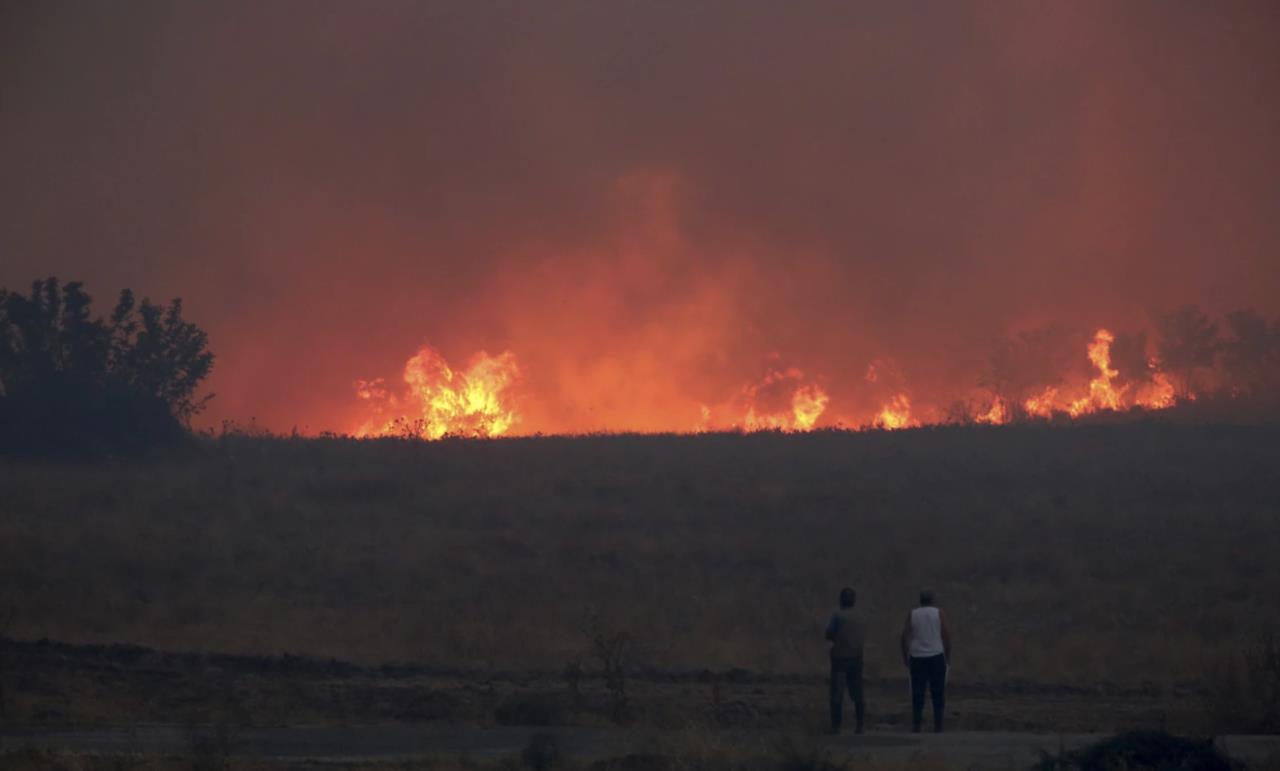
(847, 631)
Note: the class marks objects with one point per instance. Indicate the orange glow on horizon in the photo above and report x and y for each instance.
(482, 400)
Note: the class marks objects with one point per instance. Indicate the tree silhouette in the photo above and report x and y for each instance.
(1251, 355)
(48, 335)
(1189, 344)
(154, 351)
(71, 382)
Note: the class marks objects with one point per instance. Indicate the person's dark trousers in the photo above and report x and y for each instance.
(846, 674)
(928, 672)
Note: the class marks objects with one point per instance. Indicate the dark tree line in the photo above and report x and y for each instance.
(1239, 359)
(73, 383)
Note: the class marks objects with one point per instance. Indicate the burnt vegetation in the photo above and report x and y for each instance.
(76, 385)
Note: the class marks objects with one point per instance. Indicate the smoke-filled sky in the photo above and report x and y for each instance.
(651, 205)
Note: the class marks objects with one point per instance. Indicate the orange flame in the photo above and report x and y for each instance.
(1101, 396)
(1159, 394)
(896, 414)
(807, 403)
(1041, 405)
(998, 415)
(1153, 391)
(440, 401)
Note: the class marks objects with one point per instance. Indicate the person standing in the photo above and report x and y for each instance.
(847, 632)
(926, 650)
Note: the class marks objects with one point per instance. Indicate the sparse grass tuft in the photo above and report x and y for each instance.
(805, 754)
(532, 709)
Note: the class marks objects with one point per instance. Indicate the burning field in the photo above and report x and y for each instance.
(485, 399)
(520, 219)
(520, 359)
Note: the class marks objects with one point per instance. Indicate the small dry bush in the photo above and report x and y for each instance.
(1146, 750)
(6, 621)
(209, 747)
(542, 753)
(532, 709)
(1242, 692)
(801, 755)
(612, 648)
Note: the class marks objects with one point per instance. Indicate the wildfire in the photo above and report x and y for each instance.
(1101, 396)
(998, 415)
(806, 404)
(896, 414)
(1150, 390)
(439, 401)
(1159, 394)
(1042, 405)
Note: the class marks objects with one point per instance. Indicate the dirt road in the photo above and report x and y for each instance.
(394, 741)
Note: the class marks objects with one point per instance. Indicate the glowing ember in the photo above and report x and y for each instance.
(439, 401)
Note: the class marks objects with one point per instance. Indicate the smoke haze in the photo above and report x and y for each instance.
(653, 206)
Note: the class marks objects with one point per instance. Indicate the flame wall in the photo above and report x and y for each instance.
(662, 211)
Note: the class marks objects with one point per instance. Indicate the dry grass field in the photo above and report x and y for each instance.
(1138, 556)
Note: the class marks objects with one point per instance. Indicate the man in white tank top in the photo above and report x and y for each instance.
(926, 649)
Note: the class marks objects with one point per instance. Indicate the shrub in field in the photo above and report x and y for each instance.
(572, 675)
(1147, 750)
(794, 755)
(6, 621)
(1263, 666)
(612, 649)
(1243, 694)
(634, 762)
(542, 753)
(209, 747)
(535, 709)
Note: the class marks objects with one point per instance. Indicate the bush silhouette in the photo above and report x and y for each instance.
(542, 753)
(75, 385)
(1148, 750)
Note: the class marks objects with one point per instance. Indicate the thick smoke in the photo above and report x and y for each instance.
(654, 206)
